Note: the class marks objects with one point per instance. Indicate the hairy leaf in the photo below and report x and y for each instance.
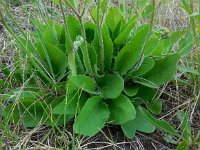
(83, 82)
(131, 52)
(164, 70)
(92, 117)
(110, 86)
(121, 110)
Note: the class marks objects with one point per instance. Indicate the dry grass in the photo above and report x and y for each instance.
(175, 97)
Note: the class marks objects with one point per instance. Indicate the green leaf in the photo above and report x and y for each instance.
(93, 58)
(122, 37)
(151, 46)
(145, 82)
(184, 70)
(70, 104)
(131, 52)
(74, 27)
(169, 139)
(74, 3)
(89, 31)
(56, 1)
(113, 18)
(146, 66)
(165, 45)
(110, 86)
(108, 48)
(185, 125)
(155, 107)
(163, 70)
(83, 82)
(92, 117)
(186, 6)
(142, 123)
(150, 94)
(129, 129)
(54, 58)
(121, 110)
(163, 125)
(72, 63)
(27, 112)
(55, 119)
(184, 145)
(186, 44)
(131, 91)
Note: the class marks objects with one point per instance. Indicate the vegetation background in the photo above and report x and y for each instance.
(171, 15)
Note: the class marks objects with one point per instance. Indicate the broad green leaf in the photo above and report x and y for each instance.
(176, 36)
(147, 94)
(74, 27)
(121, 110)
(122, 37)
(54, 58)
(163, 47)
(129, 129)
(110, 86)
(146, 66)
(54, 119)
(151, 46)
(163, 70)
(83, 82)
(131, 52)
(155, 106)
(142, 123)
(108, 48)
(58, 59)
(161, 124)
(73, 102)
(186, 44)
(92, 117)
(89, 31)
(50, 36)
(131, 91)
(113, 18)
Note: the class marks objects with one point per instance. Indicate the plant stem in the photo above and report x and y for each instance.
(195, 37)
(86, 57)
(85, 53)
(67, 36)
(100, 36)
